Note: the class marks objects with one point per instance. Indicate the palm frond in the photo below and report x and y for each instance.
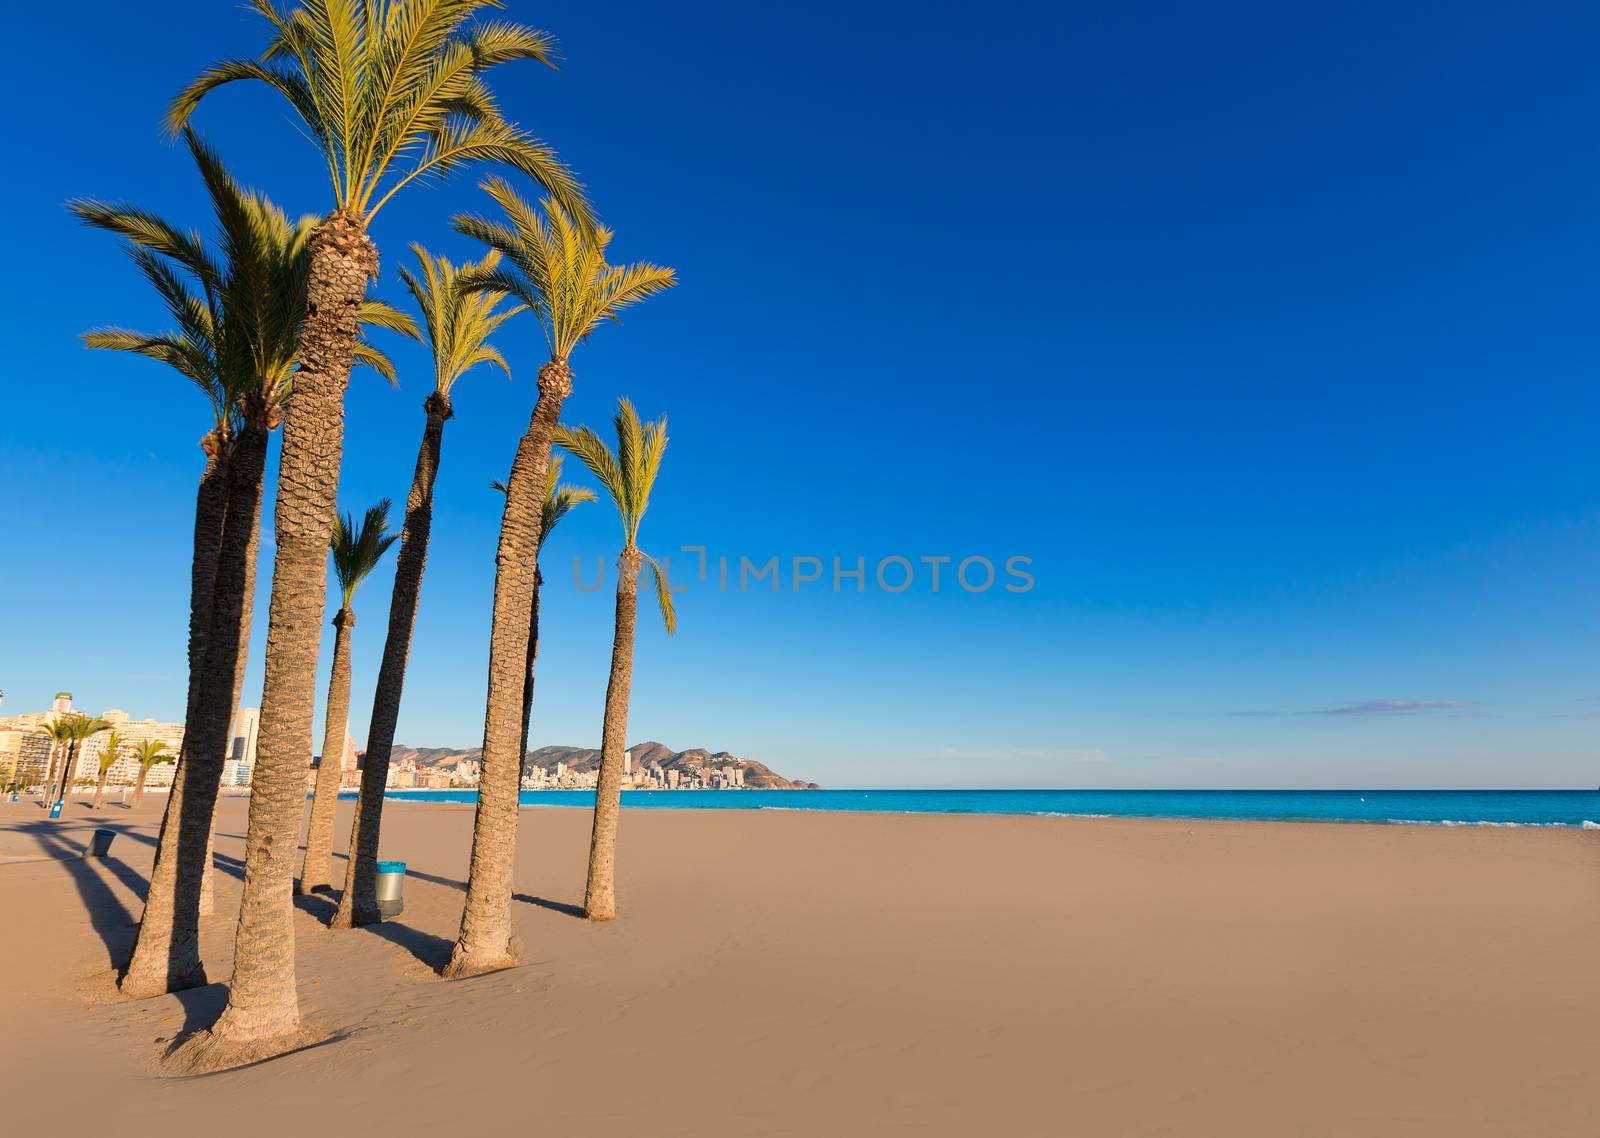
(149, 752)
(587, 447)
(669, 615)
(460, 310)
(392, 92)
(628, 475)
(357, 549)
(557, 267)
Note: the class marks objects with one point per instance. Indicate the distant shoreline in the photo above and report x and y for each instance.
(1558, 809)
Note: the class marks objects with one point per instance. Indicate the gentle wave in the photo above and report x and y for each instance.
(1508, 808)
(1584, 825)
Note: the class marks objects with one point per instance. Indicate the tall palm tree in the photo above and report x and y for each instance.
(559, 499)
(108, 759)
(628, 476)
(457, 319)
(70, 731)
(238, 311)
(389, 91)
(356, 553)
(560, 273)
(149, 753)
(59, 738)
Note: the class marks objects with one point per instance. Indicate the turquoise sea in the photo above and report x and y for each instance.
(1575, 808)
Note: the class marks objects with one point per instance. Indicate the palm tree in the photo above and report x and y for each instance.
(59, 738)
(238, 311)
(108, 759)
(561, 274)
(356, 553)
(69, 731)
(628, 476)
(458, 321)
(389, 91)
(149, 752)
(559, 499)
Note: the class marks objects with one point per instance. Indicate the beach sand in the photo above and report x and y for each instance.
(854, 974)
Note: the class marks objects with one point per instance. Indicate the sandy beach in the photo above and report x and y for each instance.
(810, 973)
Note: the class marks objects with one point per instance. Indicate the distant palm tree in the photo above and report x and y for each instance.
(559, 498)
(356, 553)
(458, 321)
(560, 273)
(628, 476)
(108, 759)
(238, 310)
(388, 93)
(58, 744)
(69, 731)
(149, 752)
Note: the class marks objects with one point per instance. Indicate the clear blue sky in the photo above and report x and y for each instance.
(1268, 334)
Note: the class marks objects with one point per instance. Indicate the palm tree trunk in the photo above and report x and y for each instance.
(533, 659)
(69, 766)
(166, 953)
(262, 1017)
(315, 870)
(208, 869)
(487, 941)
(138, 787)
(600, 896)
(210, 514)
(49, 784)
(100, 788)
(359, 903)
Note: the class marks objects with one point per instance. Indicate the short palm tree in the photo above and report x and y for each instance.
(238, 311)
(389, 92)
(559, 499)
(108, 759)
(628, 475)
(560, 273)
(357, 549)
(149, 753)
(69, 732)
(457, 321)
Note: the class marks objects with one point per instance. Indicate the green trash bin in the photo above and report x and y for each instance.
(391, 888)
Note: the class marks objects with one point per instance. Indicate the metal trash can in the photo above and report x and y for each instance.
(100, 844)
(391, 888)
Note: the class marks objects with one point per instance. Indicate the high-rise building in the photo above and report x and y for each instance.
(62, 703)
(347, 761)
(246, 727)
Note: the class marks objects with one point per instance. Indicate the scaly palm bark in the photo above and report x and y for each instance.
(486, 941)
(628, 476)
(358, 904)
(559, 499)
(458, 318)
(374, 85)
(561, 274)
(356, 553)
(166, 954)
(238, 318)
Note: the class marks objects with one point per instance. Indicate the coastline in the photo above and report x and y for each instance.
(1556, 809)
(801, 972)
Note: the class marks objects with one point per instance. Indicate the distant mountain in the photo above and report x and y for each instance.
(756, 775)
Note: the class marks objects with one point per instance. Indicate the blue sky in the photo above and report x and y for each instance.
(1266, 334)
